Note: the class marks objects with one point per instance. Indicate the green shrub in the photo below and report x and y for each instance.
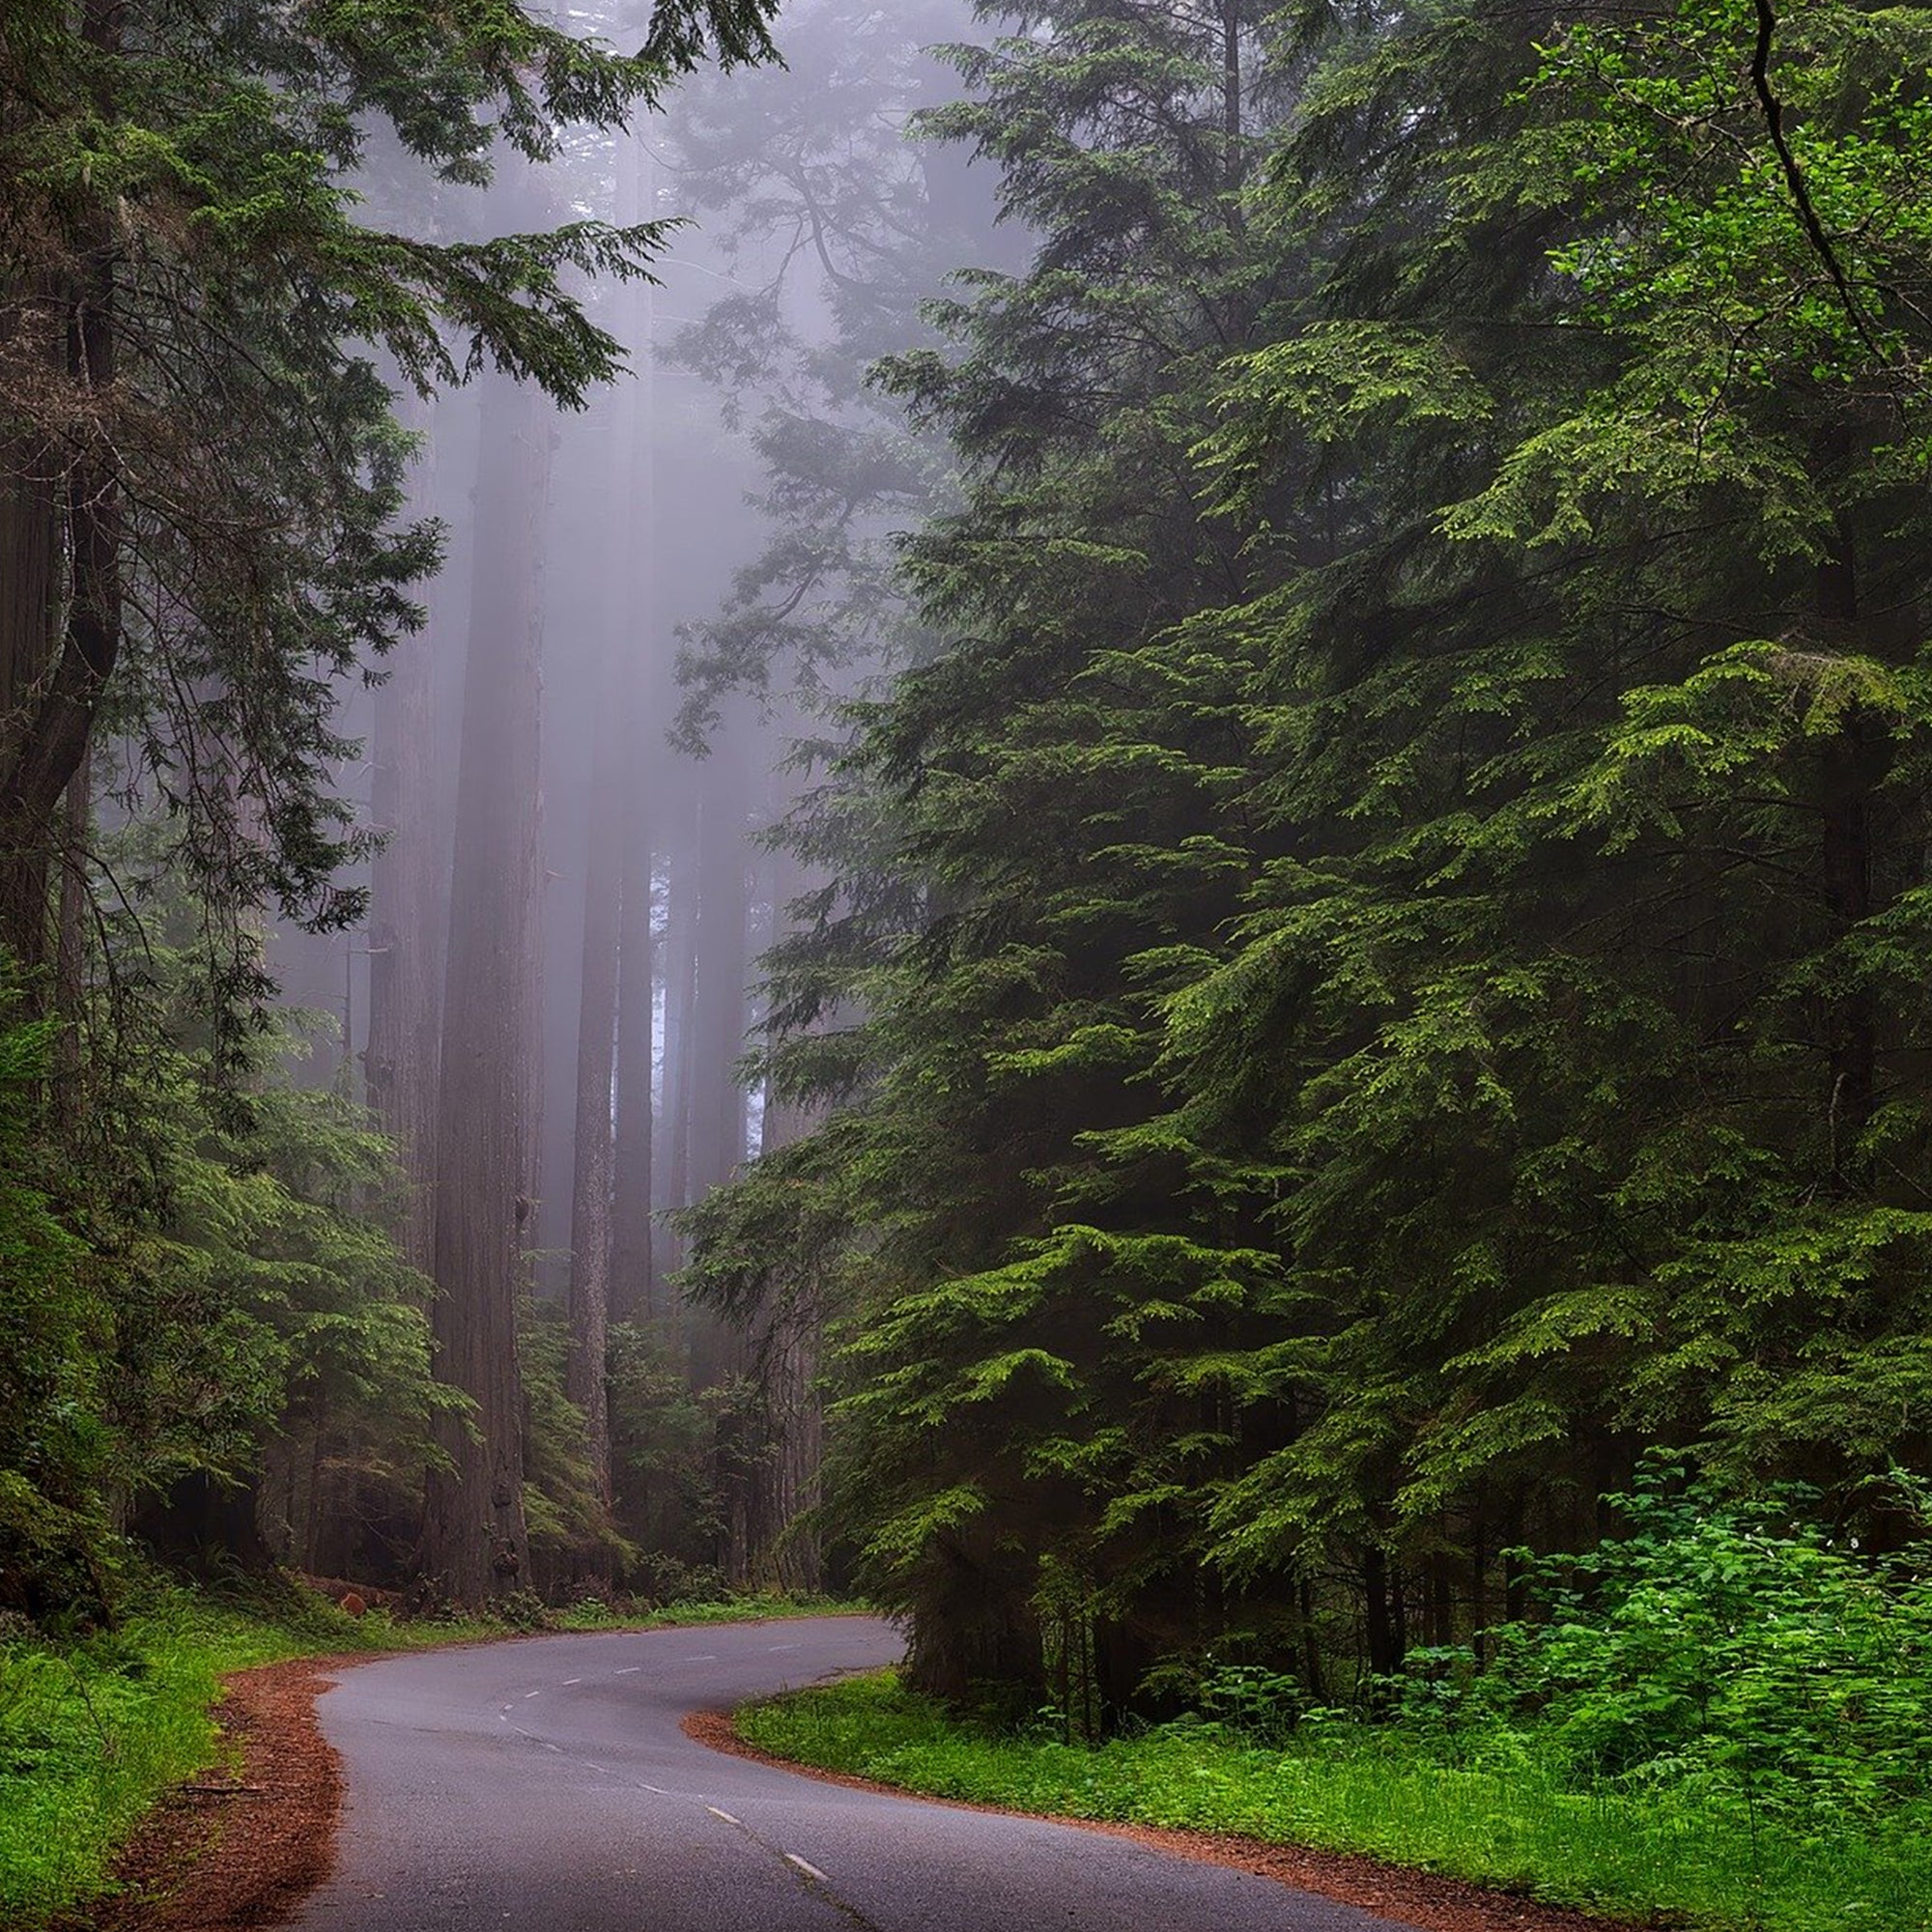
(1735, 1646)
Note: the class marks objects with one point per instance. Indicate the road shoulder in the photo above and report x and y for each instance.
(1422, 1899)
(242, 1844)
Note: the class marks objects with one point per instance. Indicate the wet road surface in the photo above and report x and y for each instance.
(545, 1786)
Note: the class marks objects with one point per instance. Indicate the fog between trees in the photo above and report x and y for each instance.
(624, 686)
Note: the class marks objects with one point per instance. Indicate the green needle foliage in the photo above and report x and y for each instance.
(1386, 977)
(234, 209)
(225, 245)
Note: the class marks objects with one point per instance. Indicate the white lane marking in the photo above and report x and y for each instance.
(502, 1717)
(569, 1681)
(627, 1670)
(780, 1646)
(808, 1869)
(529, 1695)
(659, 1789)
(725, 1815)
(709, 1657)
(558, 1749)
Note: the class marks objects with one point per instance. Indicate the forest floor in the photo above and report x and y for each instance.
(186, 1869)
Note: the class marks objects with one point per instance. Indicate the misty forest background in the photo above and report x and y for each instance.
(1151, 874)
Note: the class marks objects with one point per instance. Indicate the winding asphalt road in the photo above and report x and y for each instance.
(545, 1786)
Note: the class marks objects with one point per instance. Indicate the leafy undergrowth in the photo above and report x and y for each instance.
(1721, 1716)
(1625, 1852)
(93, 1730)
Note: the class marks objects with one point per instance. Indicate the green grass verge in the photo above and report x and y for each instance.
(1658, 1854)
(93, 1731)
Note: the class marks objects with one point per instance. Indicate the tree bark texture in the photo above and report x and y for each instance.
(475, 1538)
(407, 915)
(46, 716)
(27, 561)
(633, 1257)
(780, 1552)
(680, 950)
(633, 1263)
(723, 907)
(590, 1205)
(977, 1624)
(717, 1104)
(784, 1551)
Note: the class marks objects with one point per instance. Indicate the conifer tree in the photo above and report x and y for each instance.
(1397, 988)
(189, 299)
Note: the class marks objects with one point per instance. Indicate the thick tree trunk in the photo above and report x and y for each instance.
(680, 1021)
(590, 1230)
(633, 1262)
(28, 533)
(45, 727)
(785, 1552)
(717, 1097)
(795, 1558)
(723, 907)
(474, 1540)
(978, 1627)
(407, 915)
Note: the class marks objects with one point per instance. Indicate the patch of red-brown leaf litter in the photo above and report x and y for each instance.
(240, 1848)
(1410, 1897)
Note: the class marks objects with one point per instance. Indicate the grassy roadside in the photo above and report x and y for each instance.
(1626, 1852)
(93, 1730)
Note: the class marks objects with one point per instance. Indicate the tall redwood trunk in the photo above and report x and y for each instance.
(633, 1262)
(717, 1104)
(45, 727)
(596, 1049)
(28, 534)
(475, 1538)
(723, 914)
(633, 1265)
(407, 915)
(787, 1348)
(680, 948)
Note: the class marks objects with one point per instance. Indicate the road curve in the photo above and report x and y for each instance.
(544, 1786)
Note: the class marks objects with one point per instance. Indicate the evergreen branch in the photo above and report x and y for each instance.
(1794, 177)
